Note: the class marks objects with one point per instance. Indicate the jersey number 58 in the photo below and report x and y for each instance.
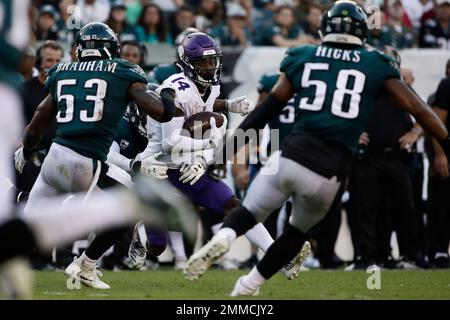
(338, 108)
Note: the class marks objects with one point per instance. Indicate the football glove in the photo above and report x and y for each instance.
(216, 134)
(20, 159)
(150, 167)
(193, 172)
(240, 105)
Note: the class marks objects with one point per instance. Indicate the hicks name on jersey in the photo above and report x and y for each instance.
(99, 65)
(338, 54)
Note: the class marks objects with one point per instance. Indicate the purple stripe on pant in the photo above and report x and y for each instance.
(206, 192)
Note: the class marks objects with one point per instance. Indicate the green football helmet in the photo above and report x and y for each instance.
(96, 41)
(345, 18)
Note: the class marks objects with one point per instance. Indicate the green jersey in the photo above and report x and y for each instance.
(337, 89)
(91, 97)
(284, 123)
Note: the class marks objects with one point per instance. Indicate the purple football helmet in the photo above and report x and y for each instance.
(200, 58)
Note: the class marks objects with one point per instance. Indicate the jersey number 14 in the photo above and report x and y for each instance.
(350, 111)
(96, 99)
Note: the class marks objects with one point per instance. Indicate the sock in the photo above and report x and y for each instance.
(54, 225)
(215, 228)
(283, 250)
(227, 233)
(177, 245)
(103, 241)
(254, 279)
(260, 237)
(86, 262)
(16, 239)
(240, 220)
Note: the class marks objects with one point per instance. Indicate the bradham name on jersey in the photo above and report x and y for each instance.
(99, 65)
(338, 54)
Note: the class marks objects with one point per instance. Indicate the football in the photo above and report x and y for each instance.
(198, 124)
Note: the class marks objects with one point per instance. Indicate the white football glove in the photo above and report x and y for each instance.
(193, 172)
(19, 160)
(151, 167)
(216, 134)
(240, 105)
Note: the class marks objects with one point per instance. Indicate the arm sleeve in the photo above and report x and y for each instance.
(442, 97)
(117, 159)
(171, 137)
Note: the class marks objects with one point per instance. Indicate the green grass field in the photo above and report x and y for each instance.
(217, 284)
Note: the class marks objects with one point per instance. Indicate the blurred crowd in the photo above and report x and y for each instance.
(400, 23)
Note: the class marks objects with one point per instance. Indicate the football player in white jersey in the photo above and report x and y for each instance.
(197, 89)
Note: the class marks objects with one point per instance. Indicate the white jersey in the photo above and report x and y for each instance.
(188, 97)
(162, 137)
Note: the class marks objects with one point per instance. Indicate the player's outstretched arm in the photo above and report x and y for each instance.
(45, 113)
(160, 108)
(408, 100)
(270, 107)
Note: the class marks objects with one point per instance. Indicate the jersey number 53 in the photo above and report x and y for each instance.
(97, 100)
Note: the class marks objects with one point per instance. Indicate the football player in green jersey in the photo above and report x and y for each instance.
(337, 83)
(88, 98)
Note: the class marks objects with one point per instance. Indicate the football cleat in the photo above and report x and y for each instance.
(292, 269)
(87, 276)
(202, 260)
(137, 252)
(240, 289)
